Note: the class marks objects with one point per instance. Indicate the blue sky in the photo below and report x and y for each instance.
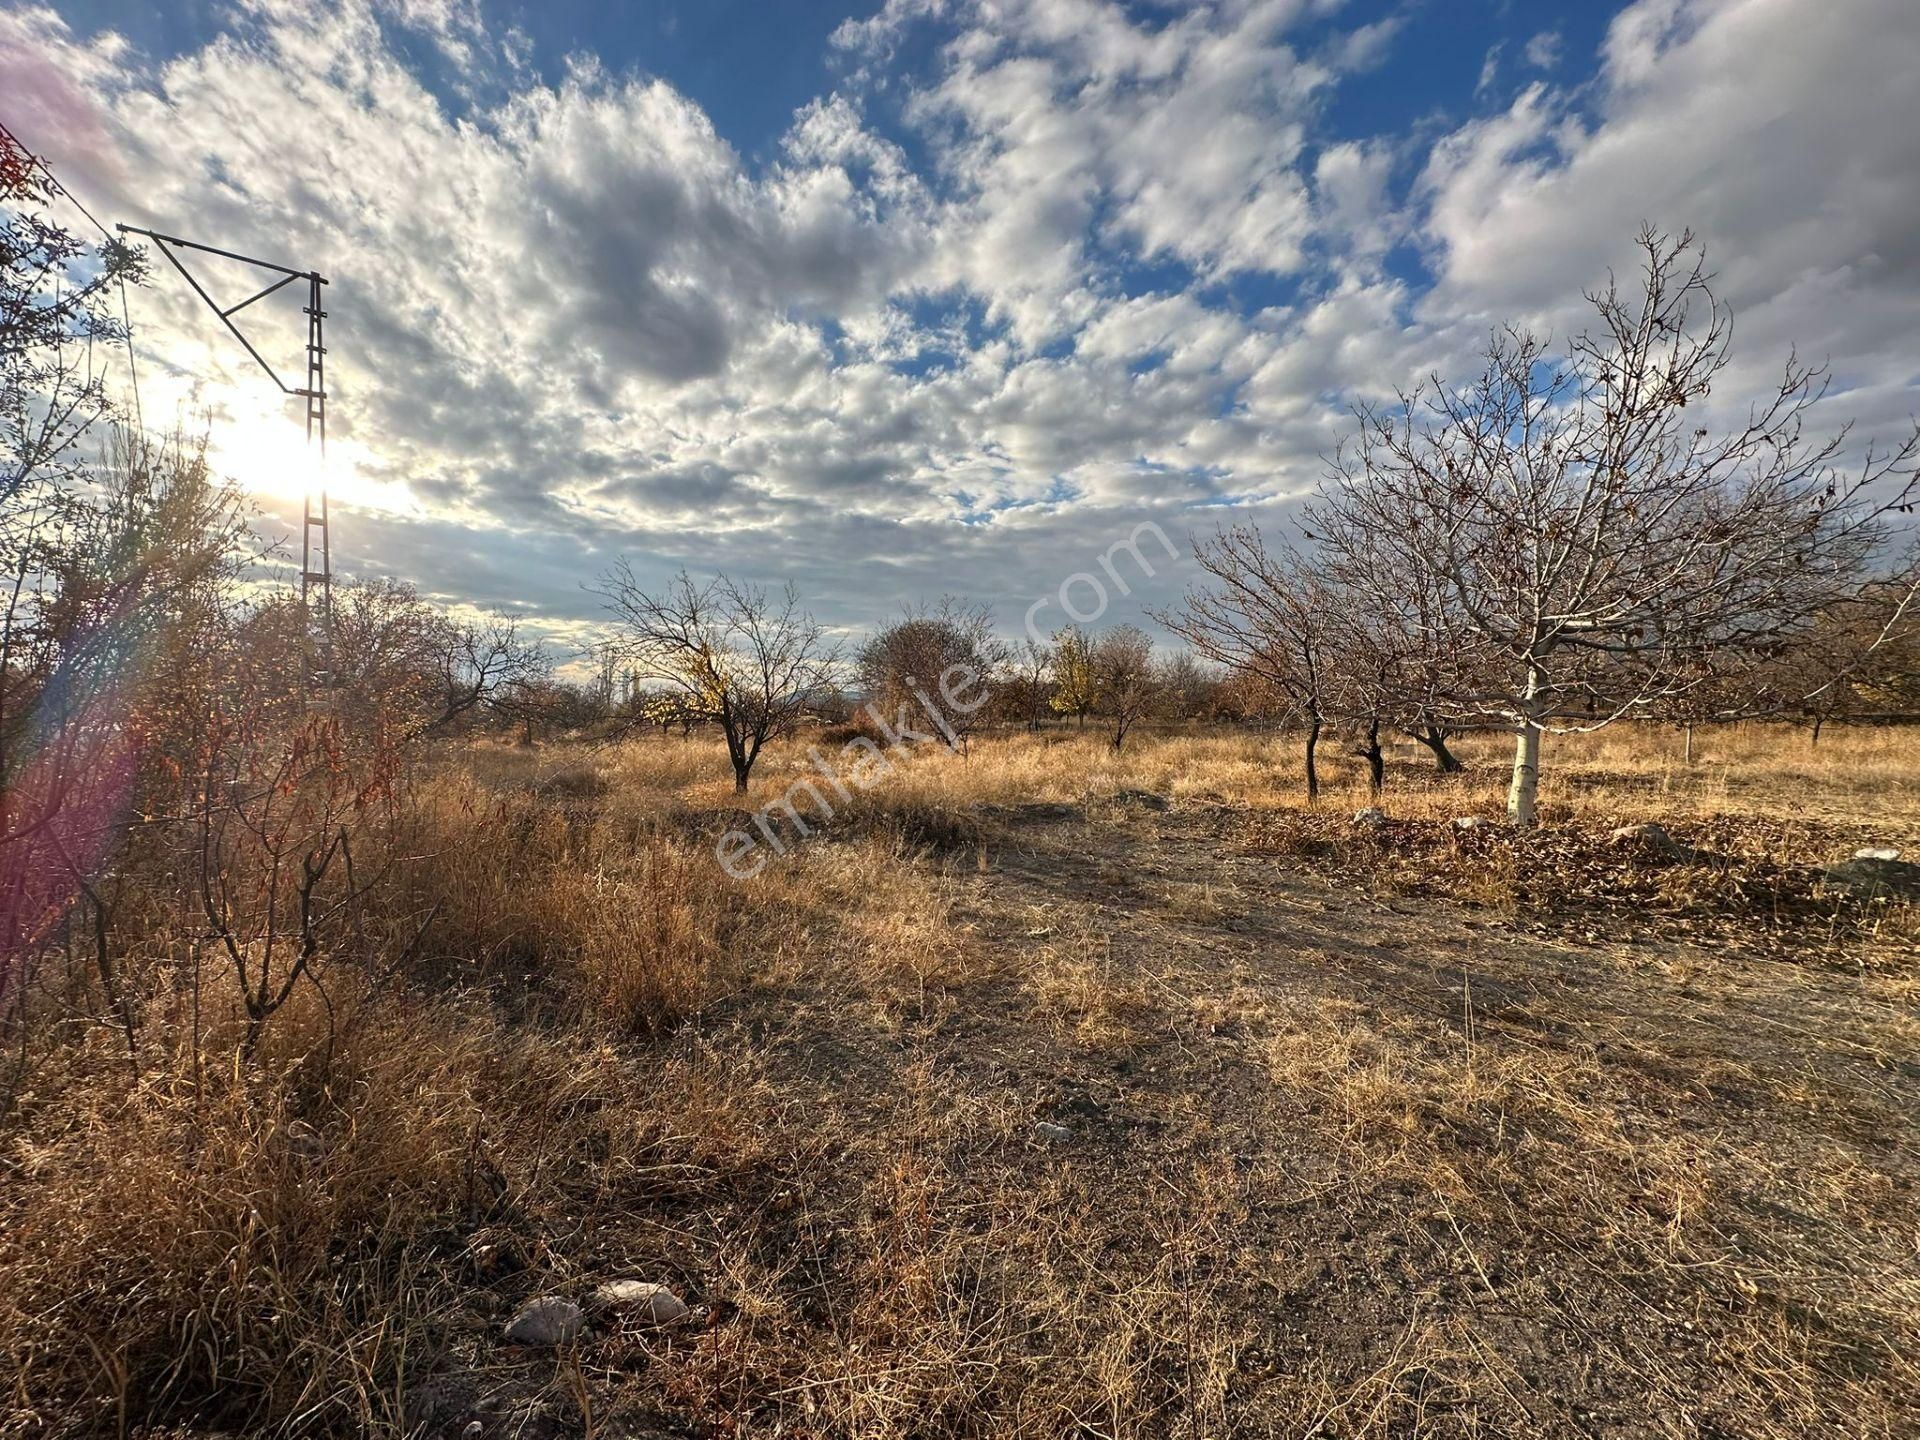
(751, 65)
(944, 295)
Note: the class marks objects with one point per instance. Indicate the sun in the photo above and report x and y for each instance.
(269, 455)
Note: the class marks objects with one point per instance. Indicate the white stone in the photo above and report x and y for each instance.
(639, 1300)
(1877, 852)
(1652, 839)
(1051, 1133)
(1471, 822)
(549, 1320)
(1371, 815)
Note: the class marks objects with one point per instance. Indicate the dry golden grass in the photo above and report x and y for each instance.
(1858, 778)
(1084, 997)
(1348, 1156)
(1854, 777)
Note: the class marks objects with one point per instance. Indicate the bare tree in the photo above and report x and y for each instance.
(1390, 662)
(387, 648)
(1125, 687)
(1242, 698)
(1366, 674)
(273, 844)
(931, 668)
(1188, 685)
(1028, 668)
(56, 335)
(401, 660)
(486, 662)
(1598, 550)
(1268, 615)
(1861, 659)
(750, 662)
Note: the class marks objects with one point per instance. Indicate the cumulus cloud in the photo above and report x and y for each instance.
(966, 322)
(1787, 139)
(1063, 125)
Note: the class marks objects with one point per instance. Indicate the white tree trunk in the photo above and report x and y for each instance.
(1523, 796)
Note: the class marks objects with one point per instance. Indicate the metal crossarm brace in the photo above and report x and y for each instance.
(316, 556)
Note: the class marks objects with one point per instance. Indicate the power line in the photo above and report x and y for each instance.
(316, 559)
(126, 318)
(133, 373)
(319, 666)
(52, 179)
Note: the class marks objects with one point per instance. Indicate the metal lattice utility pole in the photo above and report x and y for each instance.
(316, 393)
(318, 627)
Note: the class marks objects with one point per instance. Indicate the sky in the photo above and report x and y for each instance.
(938, 296)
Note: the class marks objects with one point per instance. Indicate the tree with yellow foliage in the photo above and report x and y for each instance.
(1074, 684)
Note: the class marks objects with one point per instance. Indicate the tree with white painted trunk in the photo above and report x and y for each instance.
(1600, 541)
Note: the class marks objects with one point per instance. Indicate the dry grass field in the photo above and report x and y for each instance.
(1045, 1092)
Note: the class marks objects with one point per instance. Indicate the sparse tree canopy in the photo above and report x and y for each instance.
(909, 668)
(56, 335)
(1268, 615)
(669, 709)
(1860, 660)
(399, 658)
(1188, 686)
(1021, 698)
(1125, 687)
(486, 662)
(1587, 541)
(750, 662)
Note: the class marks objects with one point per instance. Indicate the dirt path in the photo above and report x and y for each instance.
(1459, 1179)
(1189, 1142)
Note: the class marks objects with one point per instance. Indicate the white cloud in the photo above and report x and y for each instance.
(1543, 50)
(1351, 188)
(1791, 147)
(1063, 124)
(570, 319)
(1489, 69)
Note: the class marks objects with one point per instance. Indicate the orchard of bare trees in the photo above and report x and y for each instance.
(1571, 540)
(356, 1017)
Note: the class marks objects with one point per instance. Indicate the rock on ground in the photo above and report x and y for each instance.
(1871, 877)
(641, 1300)
(549, 1320)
